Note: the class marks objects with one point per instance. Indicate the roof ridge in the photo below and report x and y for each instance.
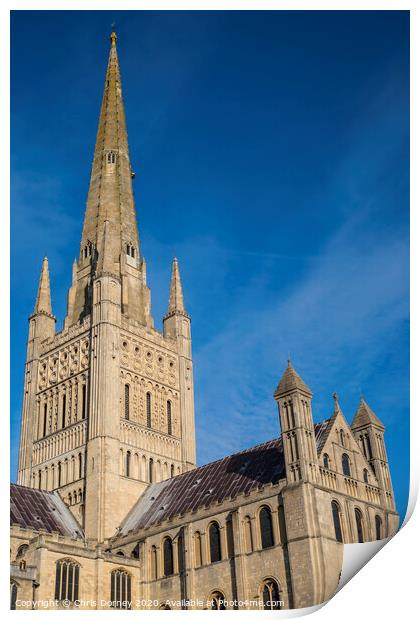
(24, 486)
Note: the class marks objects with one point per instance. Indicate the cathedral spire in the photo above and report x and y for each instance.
(110, 194)
(176, 298)
(43, 298)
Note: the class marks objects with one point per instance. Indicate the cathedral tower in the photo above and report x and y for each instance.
(294, 402)
(108, 404)
(369, 432)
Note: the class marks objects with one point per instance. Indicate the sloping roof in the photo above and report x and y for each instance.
(322, 430)
(41, 510)
(238, 473)
(290, 381)
(364, 415)
(234, 474)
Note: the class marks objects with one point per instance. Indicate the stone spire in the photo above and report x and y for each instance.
(43, 298)
(291, 381)
(176, 298)
(365, 416)
(110, 196)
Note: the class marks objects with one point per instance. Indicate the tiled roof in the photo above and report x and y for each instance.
(238, 473)
(41, 510)
(322, 430)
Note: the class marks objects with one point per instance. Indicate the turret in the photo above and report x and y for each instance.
(294, 402)
(176, 322)
(177, 325)
(369, 431)
(42, 321)
(41, 327)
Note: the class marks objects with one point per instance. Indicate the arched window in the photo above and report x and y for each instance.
(120, 589)
(66, 580)
(63, 412)
(197, 549)
(153, 563)
(60, 468)
(127, 464)
(326, 461)
(266, 528)
(217, 601)
(342, 439)
(150, 470)
(378, 527)
(359, 524)
(345, 464)
(149, 410)
(270, 594)
(335, 508)
(214, 540)
(40, 479)
(249, 547)
(80, 465)
(13, 594)
(172, 470)
(21, 551)
(168, 558)
(111, 157)
(127, 401)
(169, 416)
(365, 476)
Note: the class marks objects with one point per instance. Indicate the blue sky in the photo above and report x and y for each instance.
(271, 152)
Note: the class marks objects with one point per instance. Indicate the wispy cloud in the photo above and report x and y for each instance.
(337, 322)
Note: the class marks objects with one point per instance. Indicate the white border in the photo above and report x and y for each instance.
(387, 584)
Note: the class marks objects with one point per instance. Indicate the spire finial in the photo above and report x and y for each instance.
(113, 36)
(336, 403)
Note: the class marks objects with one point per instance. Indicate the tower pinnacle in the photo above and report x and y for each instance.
(43, 298)
(176, 298)
(291, 381)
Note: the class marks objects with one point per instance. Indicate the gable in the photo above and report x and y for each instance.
(333, 447)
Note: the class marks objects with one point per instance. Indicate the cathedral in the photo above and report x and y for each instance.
(110, 509)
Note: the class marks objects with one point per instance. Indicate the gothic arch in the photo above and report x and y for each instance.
(216, 600)
(265, 517)
(270, 593)
(214, 541)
